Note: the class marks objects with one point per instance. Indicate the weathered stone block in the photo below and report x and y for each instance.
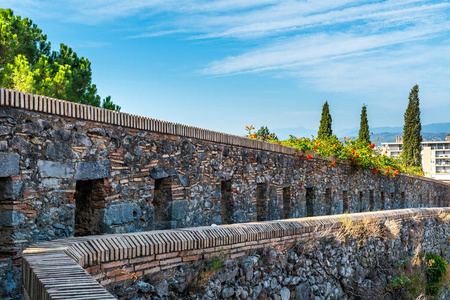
(122, 213)
(50, 183)
(179, 208)
(54, 169)
(158, 173)
(90, 170)
(4, 130)
(9, 218)
(9, 164)
(10, 189)
(58, 150)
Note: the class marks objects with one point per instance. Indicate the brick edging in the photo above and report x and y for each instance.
(71, 268)
(47, 105)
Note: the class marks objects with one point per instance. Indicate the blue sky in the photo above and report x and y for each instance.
(225, 64)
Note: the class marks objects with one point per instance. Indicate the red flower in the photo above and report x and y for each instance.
(303, 156)
(333, 163)
(385, 152)
(309, 156)
(375, 171)
(372, 146)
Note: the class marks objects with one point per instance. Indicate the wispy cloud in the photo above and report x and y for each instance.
(311, 49)
(330, 43)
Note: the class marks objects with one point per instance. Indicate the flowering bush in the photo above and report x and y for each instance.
(361, 156)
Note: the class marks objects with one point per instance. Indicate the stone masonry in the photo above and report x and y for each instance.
(72, 170)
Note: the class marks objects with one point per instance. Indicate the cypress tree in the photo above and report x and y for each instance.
(412, 139)
(364, 135)
(325, 131)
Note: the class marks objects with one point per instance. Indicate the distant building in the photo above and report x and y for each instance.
(435, 156)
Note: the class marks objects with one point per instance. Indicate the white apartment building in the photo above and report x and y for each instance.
(435, 156)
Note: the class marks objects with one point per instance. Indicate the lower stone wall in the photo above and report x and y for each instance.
(327, 257)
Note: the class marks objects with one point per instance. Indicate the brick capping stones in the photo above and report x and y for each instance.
(63, 108)
(78, 268)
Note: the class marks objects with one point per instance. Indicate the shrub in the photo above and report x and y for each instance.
(436, 267)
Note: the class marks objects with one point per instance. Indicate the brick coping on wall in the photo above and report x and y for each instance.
(71, 268)
(63, 108)
(47, 105)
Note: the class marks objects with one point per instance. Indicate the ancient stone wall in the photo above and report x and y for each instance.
(68, 169)
(328, 257)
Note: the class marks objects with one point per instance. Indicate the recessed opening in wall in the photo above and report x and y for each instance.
(371, 200)
(382, 201)
(226, 202)
(162, 203)
(286, 202)
(3, 182)
(310, 196)
(403, 204)
(89, 198)
(328, 201)
(361, 195)
(345, 204)
(261, 202)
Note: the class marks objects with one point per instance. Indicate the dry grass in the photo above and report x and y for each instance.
(392, 228)
(361, 230)
(443, 217)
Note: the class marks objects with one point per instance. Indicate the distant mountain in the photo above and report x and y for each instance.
(434, 131)
(389, 137)
(284, 133)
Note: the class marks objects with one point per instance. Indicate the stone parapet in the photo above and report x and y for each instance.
(68, 109)
(77, 268)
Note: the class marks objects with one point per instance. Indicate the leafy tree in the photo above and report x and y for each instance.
(411, 131)
(325, 131)
(364, 135)
(27, 64)
(264, 133)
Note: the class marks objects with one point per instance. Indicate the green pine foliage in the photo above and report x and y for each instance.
(325, 131)
(264, 134)
(364, 134)
(27, 64)
(412, 138)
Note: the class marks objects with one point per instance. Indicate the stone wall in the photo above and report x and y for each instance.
(305, 258)
(68, 169)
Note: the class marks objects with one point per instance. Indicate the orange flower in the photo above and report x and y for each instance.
(295, 154)
(309, 156)
(333, 163)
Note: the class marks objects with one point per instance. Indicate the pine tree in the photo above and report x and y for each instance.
(27, 64)
(265, 134)
(412, 139)
(325, 131)
(364, 135)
